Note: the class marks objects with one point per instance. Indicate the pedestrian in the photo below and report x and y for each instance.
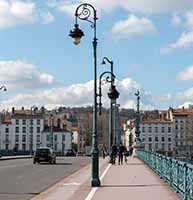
(120, 153)
(131, 151)
(126, 154)
(113, 154)
(104, 151)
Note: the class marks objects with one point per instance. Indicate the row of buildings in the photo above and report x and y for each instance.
(169, 132)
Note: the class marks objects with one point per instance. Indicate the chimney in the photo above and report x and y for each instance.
(22, 108)
(13, 110)
(42, 110)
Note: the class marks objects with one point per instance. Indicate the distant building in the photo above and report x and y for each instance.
(61, 139)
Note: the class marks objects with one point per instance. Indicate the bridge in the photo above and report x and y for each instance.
(147, 176)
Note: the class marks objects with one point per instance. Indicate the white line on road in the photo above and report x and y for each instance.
(93, 191)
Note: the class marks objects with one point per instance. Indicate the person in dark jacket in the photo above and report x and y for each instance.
(121, 151)
(113, 154)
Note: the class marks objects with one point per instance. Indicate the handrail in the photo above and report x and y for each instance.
(178, 174)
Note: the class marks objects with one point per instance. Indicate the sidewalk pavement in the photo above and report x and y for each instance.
(14, 157)
(132, 180)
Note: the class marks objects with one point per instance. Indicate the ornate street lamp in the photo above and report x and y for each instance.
(3, 88)
(104, 60)
(137, 119)
(108, 80)
(83, 12)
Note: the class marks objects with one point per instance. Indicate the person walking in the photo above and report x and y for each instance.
(120, 153)
(113, 154)
(104, 151)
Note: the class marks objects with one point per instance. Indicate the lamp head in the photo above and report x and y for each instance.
(76, 34)
(113, 94)
(103, 62)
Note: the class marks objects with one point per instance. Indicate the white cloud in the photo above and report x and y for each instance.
(189, 19)
(133, 26)
(185, 41)
(79, 95)
(186, 74)
(186, 95)
(176, 20)
(47, 18)
(22, 75)
(16, 12)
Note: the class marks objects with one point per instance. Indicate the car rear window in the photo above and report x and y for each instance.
(42, 152)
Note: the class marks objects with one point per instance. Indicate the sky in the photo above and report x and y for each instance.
(150, 43)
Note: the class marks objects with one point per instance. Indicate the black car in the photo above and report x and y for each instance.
(70, 152)
(44, 154)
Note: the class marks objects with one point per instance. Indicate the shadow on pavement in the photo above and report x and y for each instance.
(137, 185)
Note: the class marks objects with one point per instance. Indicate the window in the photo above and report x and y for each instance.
(169, 147)
(23, 147)
(149, 139)
(6, 146)
(143, 139)
(38, 145)
(156, 139)
(143, 129)
(169, 129)
(176, 121)
(38, 138)
(63, 138)
(176, 127)
(163, 139)
(163, 146)
(31, 121)
(16, 138)
(55, 147)
(30, 138)
(24, 121)
(17, 146)
(156, 129)
(156, 145)
(150, 147)
(55, 138)
(23, 138)
(6, 138)
(48, 137)
(38, 122)
(31, 129)
(17, 129)
(24, 129)
(169, 139)
(17, 121)
(150, 129)
(63, 148)
(38, 129)
(6, 130)
(162, 129)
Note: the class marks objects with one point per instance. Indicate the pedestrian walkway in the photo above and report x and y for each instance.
(134, 181)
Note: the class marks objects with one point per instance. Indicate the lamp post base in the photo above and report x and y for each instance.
(95, 182)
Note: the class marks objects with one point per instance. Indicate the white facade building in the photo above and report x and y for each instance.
(62, 140)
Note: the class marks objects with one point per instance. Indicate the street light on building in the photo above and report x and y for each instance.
(84, 12)
(31, 129)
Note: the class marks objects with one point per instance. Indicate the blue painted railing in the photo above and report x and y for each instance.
(178, 174)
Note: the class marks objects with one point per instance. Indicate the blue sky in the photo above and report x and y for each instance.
(150, 44)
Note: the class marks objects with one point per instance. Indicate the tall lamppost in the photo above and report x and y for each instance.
(137, 119)
(83, 12)
(51, 131)
(111, 105)
(31, 130)
(3, 88)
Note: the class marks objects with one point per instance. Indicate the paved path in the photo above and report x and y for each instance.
(133, 180)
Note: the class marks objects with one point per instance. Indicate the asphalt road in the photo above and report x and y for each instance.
(21, 180)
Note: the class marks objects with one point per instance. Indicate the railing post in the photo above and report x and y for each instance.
(177, 181)
(185, 181)
(171, 170)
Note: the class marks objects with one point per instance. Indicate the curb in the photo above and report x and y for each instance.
(13, 158)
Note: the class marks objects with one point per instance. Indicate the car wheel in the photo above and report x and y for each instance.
(34, 161)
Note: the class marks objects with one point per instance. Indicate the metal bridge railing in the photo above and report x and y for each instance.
(178, 174)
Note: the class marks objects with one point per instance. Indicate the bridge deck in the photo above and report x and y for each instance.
(134, 181)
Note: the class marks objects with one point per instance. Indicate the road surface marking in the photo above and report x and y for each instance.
(93, 191)
(69, 184)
